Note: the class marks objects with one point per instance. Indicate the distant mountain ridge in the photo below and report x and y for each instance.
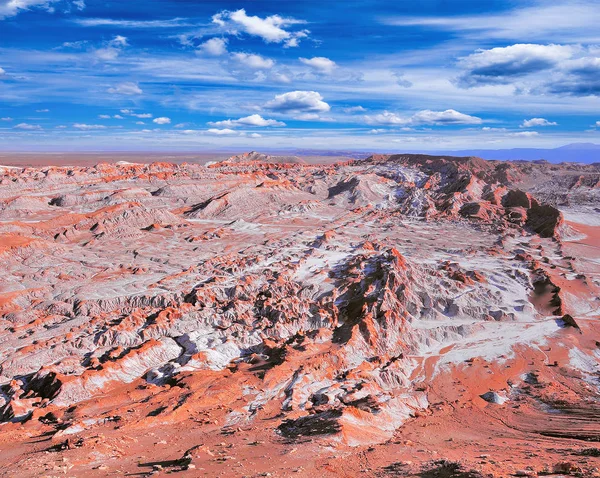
(572, 153)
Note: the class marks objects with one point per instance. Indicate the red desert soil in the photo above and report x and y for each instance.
(404, 315)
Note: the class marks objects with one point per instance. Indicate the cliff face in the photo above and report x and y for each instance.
(317, 308)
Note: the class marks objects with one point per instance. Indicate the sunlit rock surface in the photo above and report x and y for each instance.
(262, 314)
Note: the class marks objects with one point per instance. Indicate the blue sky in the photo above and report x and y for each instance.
(354, 74)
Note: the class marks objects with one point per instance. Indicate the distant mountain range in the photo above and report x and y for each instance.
(575, 152)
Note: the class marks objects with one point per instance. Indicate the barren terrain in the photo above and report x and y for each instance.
(402, 315)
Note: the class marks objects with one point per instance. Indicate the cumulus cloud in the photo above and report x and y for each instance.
(562, 70)
(255, 135)
(250, 60)
(320, 64)
(386, 118)
(221, 132)
(127, 88)
(597, 123)
(7, 118)
(214, 47)
(444, 117)
(578, 77)
(162, 120)
(2, 72)
(533, 122)
(298, 102)
(424, 117)
(104, 116)
(280, 77)
(28, 127)
(271, 29)
(252, 120)
(501, 65)
(88, 127)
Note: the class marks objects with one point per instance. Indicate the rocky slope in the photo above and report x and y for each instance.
(394, 316)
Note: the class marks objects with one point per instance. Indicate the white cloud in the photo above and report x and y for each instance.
(562, 70)
(524, 134)
(104, 116)
(255, 135)
(354, 109)
(2, 72)
(253, 61)
(28, 127)
(307, 117)
(77, 45)
(107, 54)
(10, 8)
(214, 47)
(298, 102)
(88, 127)
(320, 64)
(500, 65)
(109, 22)
(127, 88)
(221, 132)
(570, 20)
(424, 117)
(7, 118)
(386, 117)
(533, 122)
(252, 120)
(443, 117)
(598, 124)
(136, 115)
(139, 122)
(112, 48)
(271, 29)
(162, 120)
(280, 77)
(118, 117)
(45, 110)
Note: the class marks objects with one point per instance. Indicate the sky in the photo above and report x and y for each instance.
(183, 75)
